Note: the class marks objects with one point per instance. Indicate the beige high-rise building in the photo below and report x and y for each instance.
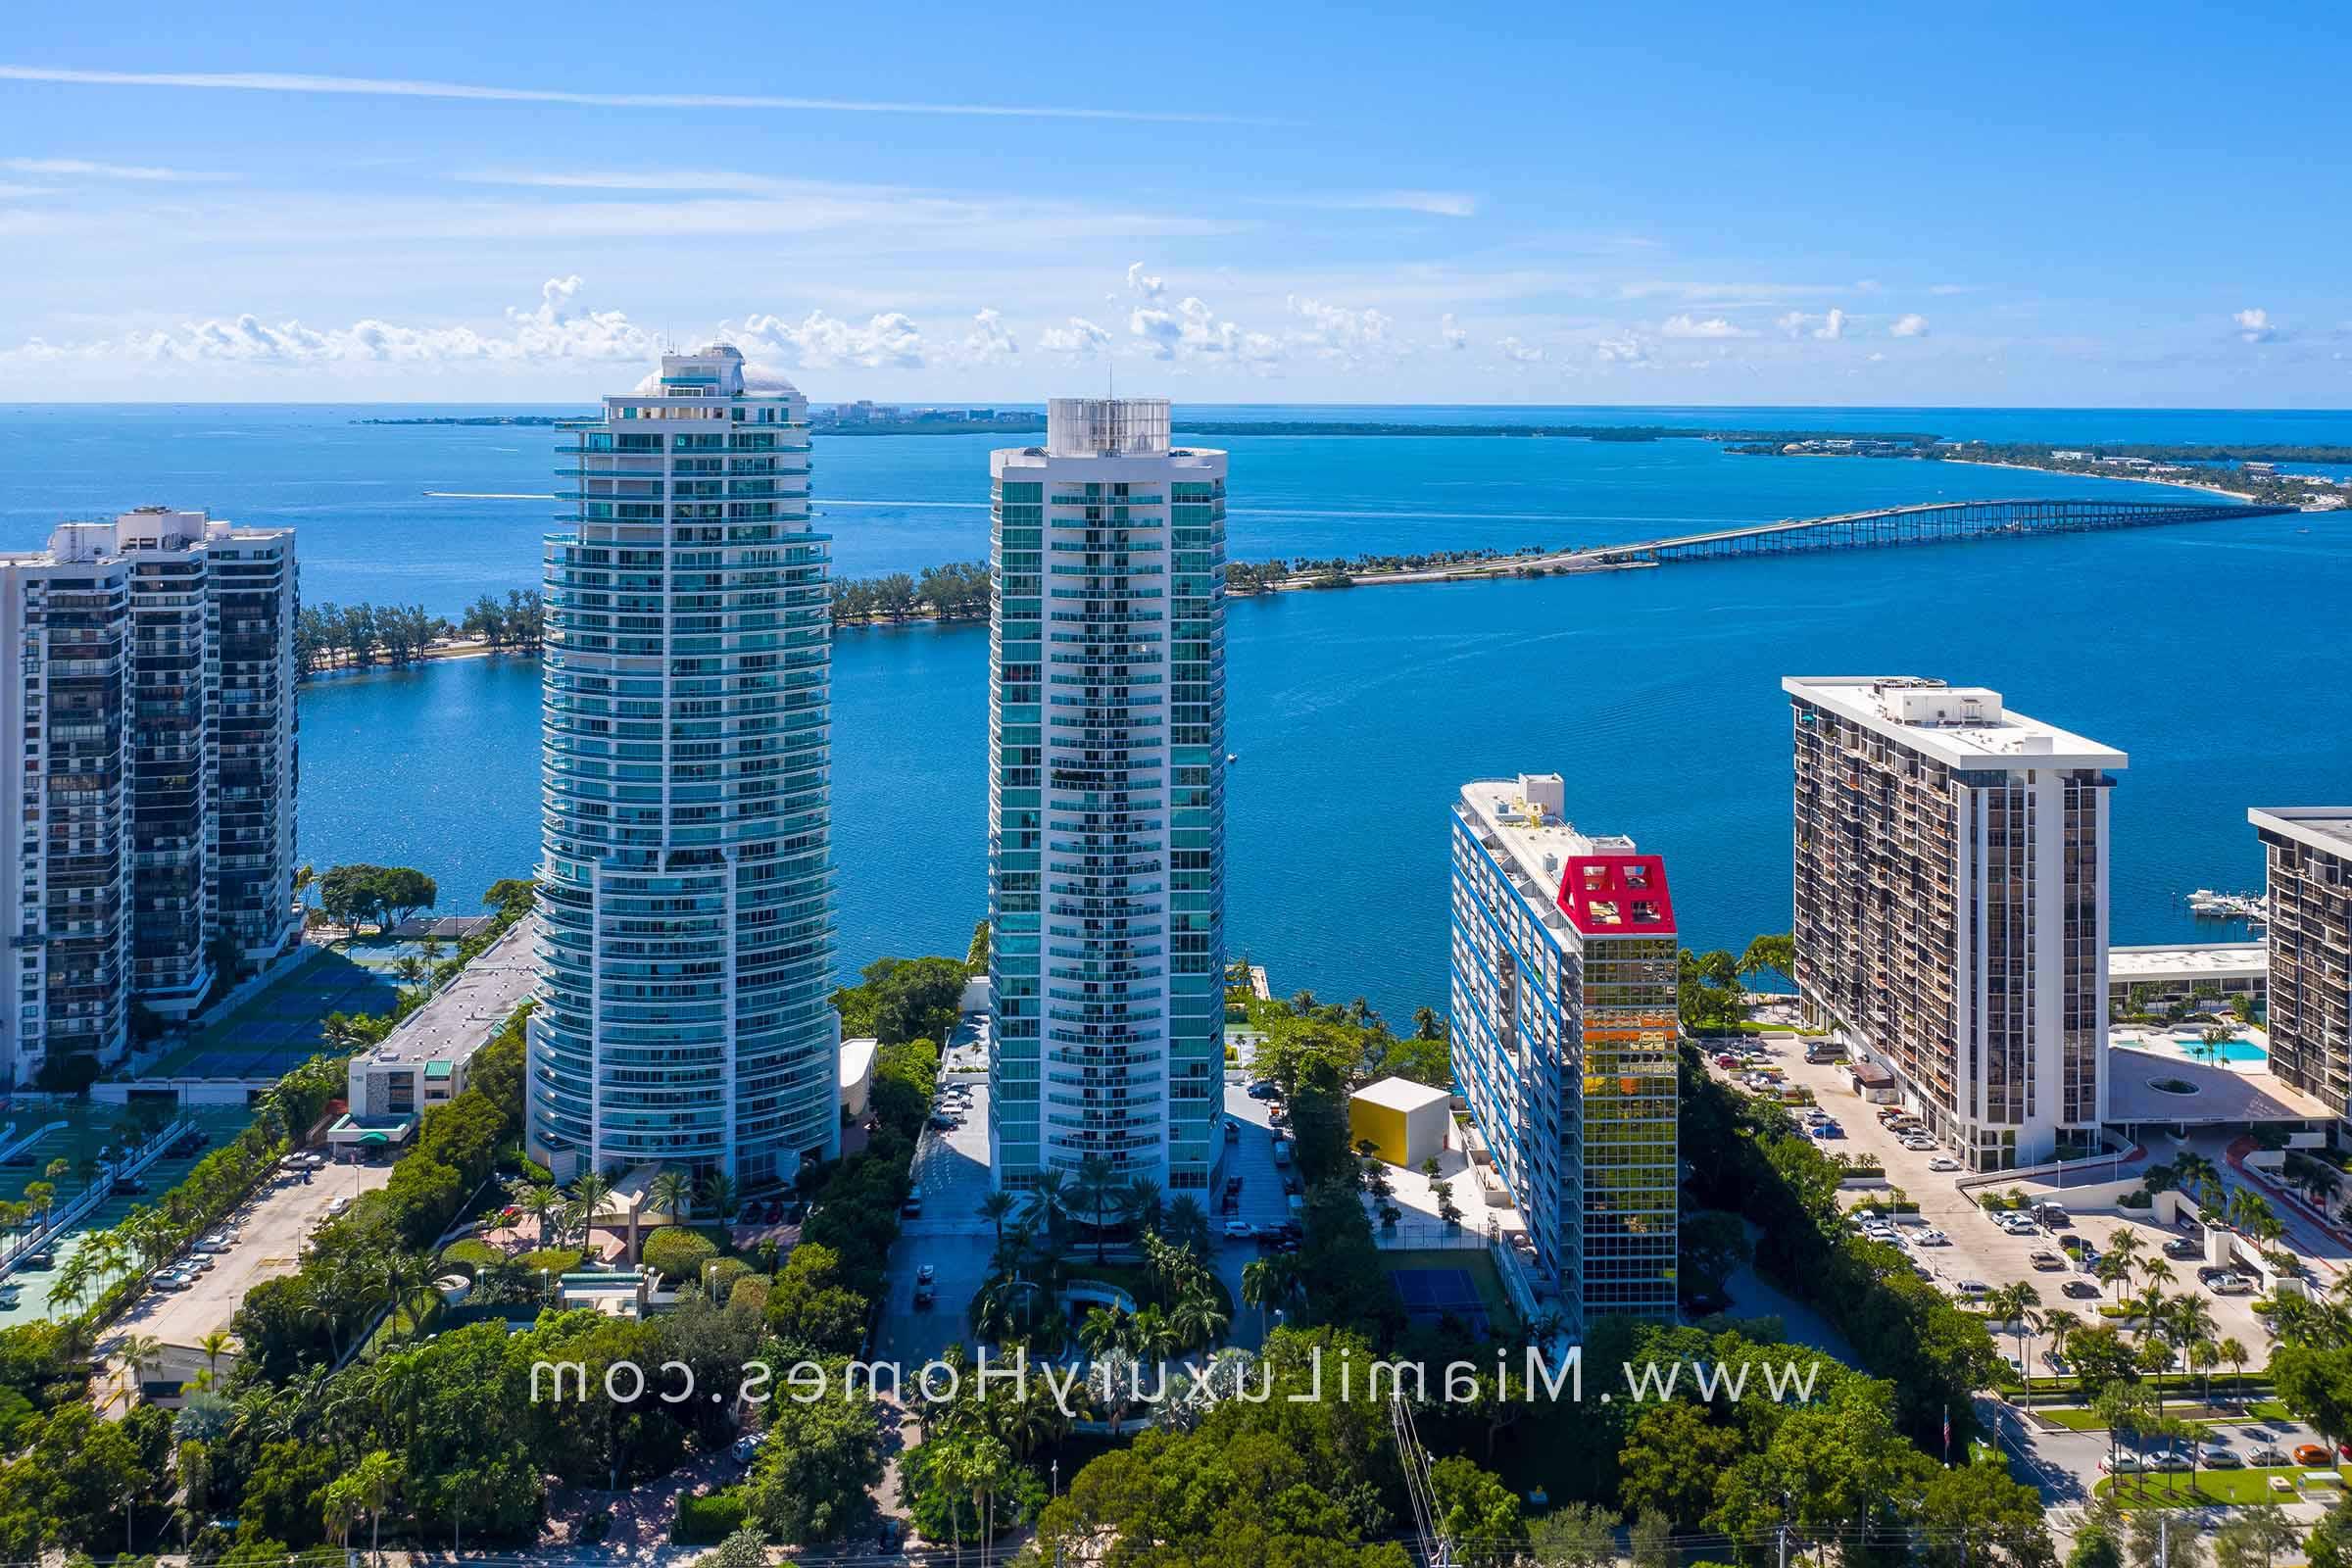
(2308, 851)
(1951, 891)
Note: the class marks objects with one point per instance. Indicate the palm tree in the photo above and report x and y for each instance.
(2203, 1356)
(2059, 1325)
(1098, 1182)
(377, 1479)
(1198, 1316)
(214, 1344)
(995, 1207)
(1269, 1284)
(2127, 1244)
(1151, 1334)
(138, 1353)
(340, 1508)
(2114, 1268)
(719, 1193)
(1103, 1328)
(1052, 1200)
(1185, 1223)
(1139, 1204)
(588, 1193)
(410, 968)
(2151, 1304)
(672, 1192)
(2233, 1353)
(540, 1203)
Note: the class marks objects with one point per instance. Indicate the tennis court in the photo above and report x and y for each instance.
(278, 1030)
(1435, 1290)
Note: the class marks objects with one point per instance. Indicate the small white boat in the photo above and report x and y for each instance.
(1232, 758)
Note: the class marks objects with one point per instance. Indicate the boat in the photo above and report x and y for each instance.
(1232, 758)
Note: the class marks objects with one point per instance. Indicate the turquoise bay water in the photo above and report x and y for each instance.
(2213, 654)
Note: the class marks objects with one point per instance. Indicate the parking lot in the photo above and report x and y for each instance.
(270, 1232)
(1979, 1251)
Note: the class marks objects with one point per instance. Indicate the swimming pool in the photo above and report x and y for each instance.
(2241, 1052)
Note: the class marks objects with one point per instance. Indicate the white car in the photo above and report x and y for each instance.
(1238, 1230)
(1943, 1163)
(1917, 1145)
(1930, 1237)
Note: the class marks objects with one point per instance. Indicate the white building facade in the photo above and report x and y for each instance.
(1563, 1024)
(1951, 895)
(120, 890)
(686, 884)
(1106, 803)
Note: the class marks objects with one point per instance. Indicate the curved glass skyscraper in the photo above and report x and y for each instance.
(686, 946)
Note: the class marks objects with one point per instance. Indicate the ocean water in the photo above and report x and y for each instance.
(2213, 654)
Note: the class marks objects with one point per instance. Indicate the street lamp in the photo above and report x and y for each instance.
(1057, 1478)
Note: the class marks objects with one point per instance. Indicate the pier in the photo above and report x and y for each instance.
(1939, 523)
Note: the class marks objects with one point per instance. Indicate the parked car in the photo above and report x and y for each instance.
(218, 1242)
(746, 1447)
(2233, 1284)
(927, 1274)
(1920, 1144)
(2167, 1461)
(2269, 1456)
(2053, 1215)
(1972, 1288)
(173, 1281)
(2216, 1457)
(1263, 1088)
(2121, 1464)
(2046, 1261)
(1238, 1230)
(1943, 1163)
(2080, 1290)
(2180, 1248)
(1931, 1237)
(2312, 1455)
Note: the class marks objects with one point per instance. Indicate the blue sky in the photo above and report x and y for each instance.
(1728, 204)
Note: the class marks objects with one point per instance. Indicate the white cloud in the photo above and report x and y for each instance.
(1337, 332)
(553, 329)
(66, 166)
(888, 340)
(989, 341)
(1434, 203)
(1081, 339)
(2254, 326)
(1191, 330)
(1626, 350)
(1829, 327)
(1714, 326)
(380, 87)
(1518, 353)
(1912, 326)
(1452, 333)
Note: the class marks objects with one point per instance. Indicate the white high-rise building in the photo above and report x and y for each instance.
(1951, 907)
(150, 748)
(686, 909)
(1106, 804)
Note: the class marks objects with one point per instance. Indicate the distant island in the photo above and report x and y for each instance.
(2245, 471)
(482, 418)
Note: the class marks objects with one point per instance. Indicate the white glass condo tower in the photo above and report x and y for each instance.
(1107, 804)
(686, 931)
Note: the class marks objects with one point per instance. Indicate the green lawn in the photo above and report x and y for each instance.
(2212, 1486)
(2080, 1420)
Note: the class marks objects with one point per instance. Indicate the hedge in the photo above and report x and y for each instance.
(677, 1254)
(709, 1518)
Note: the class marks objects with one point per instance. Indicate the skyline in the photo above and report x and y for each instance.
(1262, 211)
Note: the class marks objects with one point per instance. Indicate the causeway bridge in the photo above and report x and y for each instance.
(1939, 523)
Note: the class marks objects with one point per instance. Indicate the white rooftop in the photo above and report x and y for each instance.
(1401, 1093)
(462, 1016)
(2195, 960)
(2328, 828)
(857, 1061)
(1963, 726)
(1524, 814)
